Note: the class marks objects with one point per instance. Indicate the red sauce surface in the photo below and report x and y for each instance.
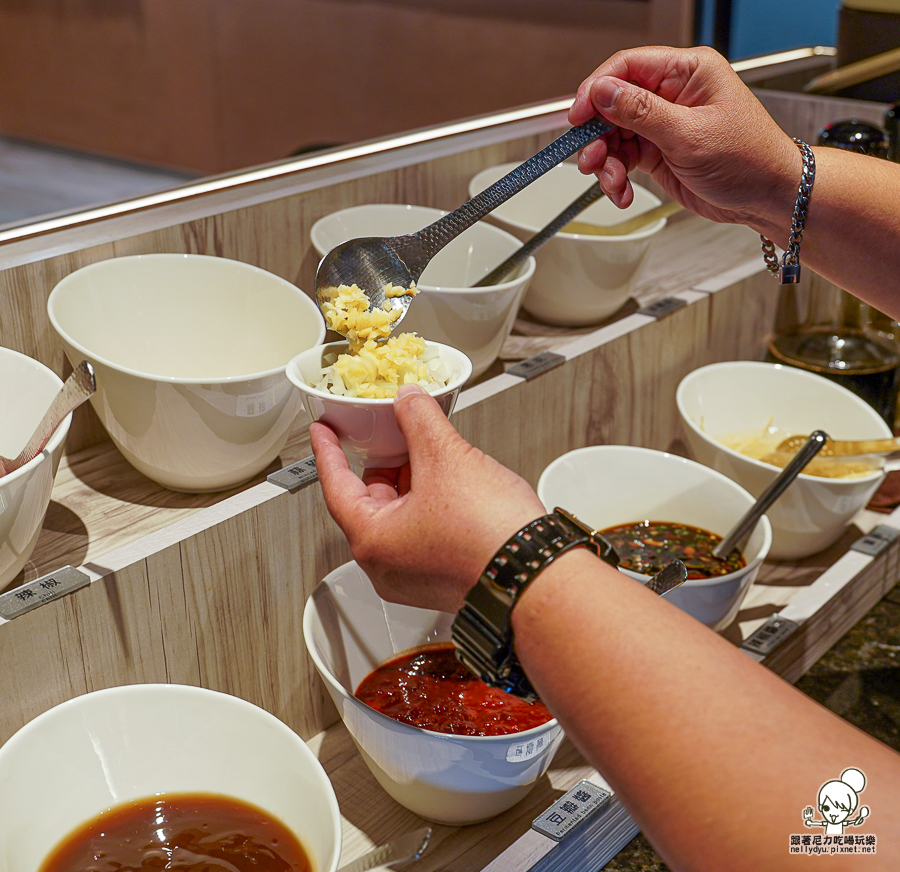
(188, 832)
(433, 690)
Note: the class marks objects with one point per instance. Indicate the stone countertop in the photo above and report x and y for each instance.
(859, 679)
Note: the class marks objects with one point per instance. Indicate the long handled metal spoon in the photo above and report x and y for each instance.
(408, 847)
(743, 527)
(576, 207)
(845, 447)
(76, 389)
(374, 262)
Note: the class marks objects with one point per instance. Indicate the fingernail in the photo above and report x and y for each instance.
(406, 390)
(604, 93)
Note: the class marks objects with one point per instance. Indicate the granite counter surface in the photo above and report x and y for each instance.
(859, 679)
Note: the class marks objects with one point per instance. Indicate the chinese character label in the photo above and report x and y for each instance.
(570, 810)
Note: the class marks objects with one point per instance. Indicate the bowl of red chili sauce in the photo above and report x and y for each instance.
(654, 507)
(437, 739)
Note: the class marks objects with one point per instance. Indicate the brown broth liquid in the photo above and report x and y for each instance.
(188, 832)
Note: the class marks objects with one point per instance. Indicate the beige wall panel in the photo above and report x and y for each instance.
(300, 545)
(42, 664)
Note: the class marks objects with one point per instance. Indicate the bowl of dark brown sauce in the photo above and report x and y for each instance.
(655, 507)
(158, 776)
(438, 739)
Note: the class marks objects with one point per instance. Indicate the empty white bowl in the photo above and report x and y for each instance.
(368, 429)
(27, 388)
(349, 632)
(609, 485)
(740, 396)
(580, 279)
(113, 746)
(189, 353)
(448, 309)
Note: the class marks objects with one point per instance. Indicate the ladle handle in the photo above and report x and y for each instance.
(435, 236)
(812, 447)
(77, 388)
(576, 207)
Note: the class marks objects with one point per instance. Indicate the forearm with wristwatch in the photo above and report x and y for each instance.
(482, 630)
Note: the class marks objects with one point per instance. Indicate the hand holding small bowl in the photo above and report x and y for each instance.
(367, 428)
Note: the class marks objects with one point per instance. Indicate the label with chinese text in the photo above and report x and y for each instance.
(570, 810)
(42, 590)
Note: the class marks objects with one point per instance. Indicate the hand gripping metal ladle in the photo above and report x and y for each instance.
(374, 262)
(76, 389)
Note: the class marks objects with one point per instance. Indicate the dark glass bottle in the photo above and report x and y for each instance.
(843, 343)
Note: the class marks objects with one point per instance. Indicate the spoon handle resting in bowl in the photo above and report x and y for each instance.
(408, 847)
(852, 447)
(771, 493)
(435, 236)
(576, 207)
(76, 389)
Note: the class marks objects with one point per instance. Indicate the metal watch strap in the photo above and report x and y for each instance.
(482, 630)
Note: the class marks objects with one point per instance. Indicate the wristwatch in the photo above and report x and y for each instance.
(482, 630)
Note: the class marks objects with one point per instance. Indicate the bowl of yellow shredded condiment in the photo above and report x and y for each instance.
(354, 392)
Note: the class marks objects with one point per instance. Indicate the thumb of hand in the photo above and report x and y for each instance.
(428, 433)
(634, 108)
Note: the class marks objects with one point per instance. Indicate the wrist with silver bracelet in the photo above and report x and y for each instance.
(788, 272)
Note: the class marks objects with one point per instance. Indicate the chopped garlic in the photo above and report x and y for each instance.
(346, 310)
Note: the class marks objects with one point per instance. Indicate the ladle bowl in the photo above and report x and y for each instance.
(372, 263)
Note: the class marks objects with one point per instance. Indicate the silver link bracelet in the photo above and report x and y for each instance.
(788, 271)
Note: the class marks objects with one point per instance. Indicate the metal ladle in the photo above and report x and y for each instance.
(576, 207)
(746, 524)
(374, 262)
(75, 390)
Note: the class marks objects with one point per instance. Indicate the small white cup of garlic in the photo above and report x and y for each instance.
(354, 394)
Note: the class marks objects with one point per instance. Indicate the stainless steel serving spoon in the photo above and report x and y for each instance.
(75, 390)
(746, 524)
(408, 847)
(374, 262)
(845, 447)
(576, 207)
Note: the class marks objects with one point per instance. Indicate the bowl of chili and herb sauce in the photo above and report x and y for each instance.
(152, 776)
(646, 547)
(659, 506)
(454, 764)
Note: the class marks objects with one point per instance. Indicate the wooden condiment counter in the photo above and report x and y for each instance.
(209, 590)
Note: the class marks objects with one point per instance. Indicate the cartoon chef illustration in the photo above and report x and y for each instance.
(837, 801)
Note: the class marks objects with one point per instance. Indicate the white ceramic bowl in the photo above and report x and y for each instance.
(349, 632)
(27, 388)
(448, 309)
(189, 353)
(608, 485)
(113, 746)
(731, 397)
(580, 279)
(368, 429)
